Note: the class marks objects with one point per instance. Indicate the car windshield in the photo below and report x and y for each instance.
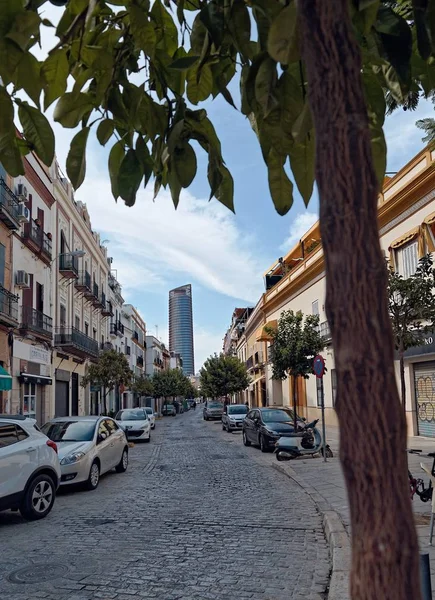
(237, 410)
(275, 416)
(149, 411)
(70, 431)
(131, 415)
(215, 405)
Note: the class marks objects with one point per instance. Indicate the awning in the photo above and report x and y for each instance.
(39, 379)
(5, 380)
(414, 234)
(430, 219)
(263, 335)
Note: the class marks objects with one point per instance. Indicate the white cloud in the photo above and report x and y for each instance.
(206, 343)
(152, 243)
(298, 227)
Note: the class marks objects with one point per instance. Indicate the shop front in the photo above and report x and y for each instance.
(32, 368)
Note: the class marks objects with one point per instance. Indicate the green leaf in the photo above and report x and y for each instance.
(369, 11)
(166, 31)
(129, 177)
(199, 90)
(375, 98)
(379, 153)
(302, 160)
(115, 159)
(174, 186)
(225, 191)
(303, 124)
(282, 42)
(144, 157)
(142, 29)
(6, 113)
(245, 108)
(37, 130)
(240, 27)
(26, 25)
(10, 155)
(184, 163)
(28, 77)
(396, 38)
(212, 16)
(105, 131)
(184, 63)
(197, 36)
(76, 160)
(265, 85)
(280, 186)
(203, 131)
(55, 71)
(71, 108)
(192, 4)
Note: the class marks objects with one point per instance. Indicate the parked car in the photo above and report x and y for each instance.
(232, 418)
(264, 426)
(29, 468)
(169, 410)
(135, 423)
(213, 410)
(88, 447)
(151, 416)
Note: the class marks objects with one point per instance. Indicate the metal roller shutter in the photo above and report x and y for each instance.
(424, 381)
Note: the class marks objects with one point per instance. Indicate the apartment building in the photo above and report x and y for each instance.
(406, 214)
(135, 348)
(80, 309)
(235, 330)
(154, 355)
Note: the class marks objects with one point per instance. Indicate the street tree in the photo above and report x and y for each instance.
(110, 372)
(295, 343)
(315, 77)
(222, 376)
(170, 383)
(142, 386)
(411, 303)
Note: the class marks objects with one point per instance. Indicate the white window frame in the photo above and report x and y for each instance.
(407, 259)
(315, 307)
(29, 397)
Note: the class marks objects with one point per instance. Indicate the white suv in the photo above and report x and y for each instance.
(29, 467)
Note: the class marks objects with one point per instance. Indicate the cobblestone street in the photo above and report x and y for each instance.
(197, 515)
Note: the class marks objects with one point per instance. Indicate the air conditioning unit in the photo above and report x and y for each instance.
(22, 279)
(22, 191)
(23, 214)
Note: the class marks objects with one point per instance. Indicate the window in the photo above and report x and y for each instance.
(8, 435)
(315, 307)
(2, 264)
(29, 400)
(319, 391)
(21, 434)
(62, 315)
(334, 385)
(77, 322)
(87, 328)
(94, 332)
(408, 259)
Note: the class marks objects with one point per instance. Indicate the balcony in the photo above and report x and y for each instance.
(250, 363)
(139, 361)
(106, 306)
(75, 342)
(120, 328)
(325, 332)
(68, 266)
(83, 284)
(135, 336)
(113, 328)
(128, 350)
(96, 300)
(104, 346)
(8, 307)
(258, 359)
(37, 240)
(34, 321)
(158, 362)
(8, 207)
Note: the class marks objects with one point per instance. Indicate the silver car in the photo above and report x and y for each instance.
(213, 410)
(88, 447)
(232, 418)
(135, 423)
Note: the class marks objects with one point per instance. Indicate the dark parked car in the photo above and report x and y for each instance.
(264, 426)
(213, 410)
(169, 410)
(232, 419)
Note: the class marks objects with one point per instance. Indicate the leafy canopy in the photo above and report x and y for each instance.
(111, 370)
(171, 382)
(411, 304)
(222, 375)
(142, 386)
(133, 72)
(295, 343)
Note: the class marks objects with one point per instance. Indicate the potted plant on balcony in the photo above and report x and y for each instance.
(38, 222)
(49, 236)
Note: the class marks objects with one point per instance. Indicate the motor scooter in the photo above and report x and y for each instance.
(305, 441)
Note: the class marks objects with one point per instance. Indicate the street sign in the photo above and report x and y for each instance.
(319, 366)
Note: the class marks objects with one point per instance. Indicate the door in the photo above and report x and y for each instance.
(27, 317)
(16, 459)
(249, 425)
(75, 394)
(105, 445)
(424, 382)
(117, 442)
(62, 399)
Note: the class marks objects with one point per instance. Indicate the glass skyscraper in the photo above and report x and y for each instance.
(181, 326)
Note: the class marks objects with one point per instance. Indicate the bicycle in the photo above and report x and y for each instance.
(416, 485)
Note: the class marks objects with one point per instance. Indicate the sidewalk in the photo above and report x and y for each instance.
(327, 481)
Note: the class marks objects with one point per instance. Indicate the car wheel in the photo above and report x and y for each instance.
(263, 444)
(94, 476)
(246, 442)
(39, 498)
(123, 463)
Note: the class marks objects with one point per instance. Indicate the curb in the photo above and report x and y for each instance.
(336, 536)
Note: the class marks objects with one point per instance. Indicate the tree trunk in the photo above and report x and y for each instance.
(295, 420)
(385, 556)
(402, 382)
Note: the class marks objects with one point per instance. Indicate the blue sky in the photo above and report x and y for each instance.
(222, 255)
